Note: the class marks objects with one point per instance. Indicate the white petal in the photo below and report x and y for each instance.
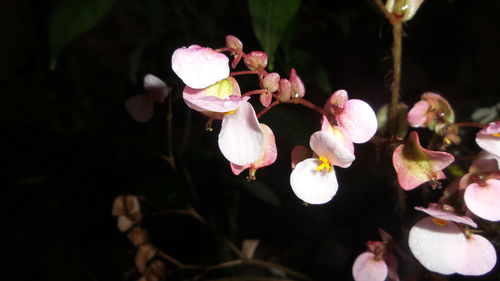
(481, 256)
(312, 186)
(367, 268)
(437, 248)
(156, 87)
(140, 107)
(332, 146)
(241, 139)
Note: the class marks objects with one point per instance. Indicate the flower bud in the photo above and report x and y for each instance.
(256, 60)
(234, 44)
(271, 82)
(284, 90)
(405, 9)
(298, 89)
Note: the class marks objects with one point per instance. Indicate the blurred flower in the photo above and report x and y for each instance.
(489, 138)
(483, 199)
(407, 10)
(369, 267)
(298, 89)
(141, 107)
(432, 111)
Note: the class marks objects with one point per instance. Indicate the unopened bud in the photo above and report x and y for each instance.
(256, 60)
(271, 82)
(284, 90)
(298, 89)
(403, 8)
(233, 43)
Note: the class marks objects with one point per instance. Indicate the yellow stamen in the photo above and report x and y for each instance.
(496, 135)
(440, 222)
(325, 164)
(230, 112)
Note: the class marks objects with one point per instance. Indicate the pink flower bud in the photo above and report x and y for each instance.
(256, 60)
(233, 43)
(285, 90)
(298, 89)
(271, 82)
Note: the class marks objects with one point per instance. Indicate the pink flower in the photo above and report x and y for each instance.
(223, 96)
(355, 116)
(241, 139)
(267, 157)
(298, 89)
(313, 180)
(484, 199)
(441, 246)
(368, 267)
(415, 165)
(489, 138)
(199, 67)
(432, 111)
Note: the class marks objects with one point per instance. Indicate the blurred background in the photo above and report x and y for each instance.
(68, 147)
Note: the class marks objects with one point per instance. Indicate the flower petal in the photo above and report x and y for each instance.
(367, 268)
(484, 201)
(489, 138)
(416, 165)
(332, 146)
(241, 139)
(359, 120)
(438, 248)
(140, 107)
(480, 256)
(436, 212)
(200, 67)
(312, 186)
(417, 116)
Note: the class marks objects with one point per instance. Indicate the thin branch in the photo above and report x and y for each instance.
(170, 146)
(397, 49)
(244, 72)
(263, 111)
(254, 92)
(278, 267)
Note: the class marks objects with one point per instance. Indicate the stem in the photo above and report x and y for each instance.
(254, 92)
(397, 48)
(263, 111)
(308, 104)
(170, 259)
(390, 17)
(469, 124)
(244, 72)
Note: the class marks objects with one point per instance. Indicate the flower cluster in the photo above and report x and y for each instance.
(247, 144)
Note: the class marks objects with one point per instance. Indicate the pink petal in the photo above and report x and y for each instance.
(417, 116)
(359, 120)
(367, 268)
(199, 67)
(332, 146)
(223, 96)
(265, 99)
(140, 107)
(325, 126)
(438, 248)
(156, 87)
(241, 139)
(271, 82)
(312, 186)
(434, 211)
(484, 201)
(268, 156)
(299, 153)
(338, 99)
(416, 165)
(480, 256)
(489, 138)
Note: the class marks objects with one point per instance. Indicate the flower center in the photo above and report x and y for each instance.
(496, 135)
(230, 112)
(440, 222)
(325, 164)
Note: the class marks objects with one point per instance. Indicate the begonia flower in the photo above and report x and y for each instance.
(267, 158)
(415, 165)
(313, 180)
(369, 267)
(285, 90)
(199, 67)
(256, 60)
(442, 246)
(432, 111)
(353, 115)
(489, 138)
(223, 96)
(484, 199)
(241, 139)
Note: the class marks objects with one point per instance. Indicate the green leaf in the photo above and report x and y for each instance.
(263, 192)
(72, 18)
(270, 19)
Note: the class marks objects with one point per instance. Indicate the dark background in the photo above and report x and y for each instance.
(68, 147)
